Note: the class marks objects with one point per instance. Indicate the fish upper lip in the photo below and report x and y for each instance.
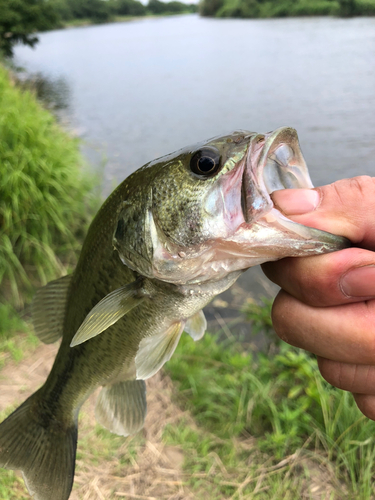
(255, 199)
(273, 161)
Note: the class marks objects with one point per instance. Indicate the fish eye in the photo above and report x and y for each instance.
(205, 162)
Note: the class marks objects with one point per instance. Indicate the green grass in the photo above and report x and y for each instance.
(46, 199)
(280, 400)
(13, 345)
(11, 486)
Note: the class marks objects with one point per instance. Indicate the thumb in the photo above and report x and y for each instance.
(346, 208)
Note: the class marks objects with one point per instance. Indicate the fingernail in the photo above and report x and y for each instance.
(296, 201)
(359, 282)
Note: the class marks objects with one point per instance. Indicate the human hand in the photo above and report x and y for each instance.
(327, 302)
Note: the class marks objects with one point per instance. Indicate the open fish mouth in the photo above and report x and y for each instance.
(282, 163)
(274, 161)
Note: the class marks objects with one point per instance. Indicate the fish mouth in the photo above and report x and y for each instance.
(274, 161)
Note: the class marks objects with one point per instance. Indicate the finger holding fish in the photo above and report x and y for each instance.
(327, 305)
(342, 333)
(356, 378)
(326, 280)
(342, 337)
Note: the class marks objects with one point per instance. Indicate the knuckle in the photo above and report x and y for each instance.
(282, 317)
(359, 185)
(353, 201)
(363, 188)
(354, 188)
(334, 373)
(366, 404)
(362, 184)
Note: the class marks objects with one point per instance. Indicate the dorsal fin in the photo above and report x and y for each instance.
(48, 309)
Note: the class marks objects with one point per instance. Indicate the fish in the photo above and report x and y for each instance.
(173, 235)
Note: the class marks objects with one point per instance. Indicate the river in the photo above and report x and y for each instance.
(136, 90)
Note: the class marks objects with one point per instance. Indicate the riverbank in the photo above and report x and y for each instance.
(258, 9)
(46, 199)
(78, 23)
(79, 14)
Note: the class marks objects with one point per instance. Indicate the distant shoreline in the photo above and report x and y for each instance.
(79, 23)
(264, 9)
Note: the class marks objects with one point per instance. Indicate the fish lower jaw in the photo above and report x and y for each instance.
(271, 237)
(221, 260)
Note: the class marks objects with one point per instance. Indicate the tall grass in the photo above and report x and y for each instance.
(46, 200)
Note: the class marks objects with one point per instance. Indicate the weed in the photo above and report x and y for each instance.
(12, 344)
(281, 400)
(46, 200)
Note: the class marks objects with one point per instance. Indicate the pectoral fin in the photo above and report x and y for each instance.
(122, 407)
(196, 325)
(109, 310)
(48, 309)
(154, 351)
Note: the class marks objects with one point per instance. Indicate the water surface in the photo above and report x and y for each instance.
(138, 90)
(142, 89)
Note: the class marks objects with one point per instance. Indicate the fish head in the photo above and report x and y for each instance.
(206, 211)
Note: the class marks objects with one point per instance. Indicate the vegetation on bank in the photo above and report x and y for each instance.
(46, 200)
(272, 408)
(103, 11)
(21, 19)
(286, 8)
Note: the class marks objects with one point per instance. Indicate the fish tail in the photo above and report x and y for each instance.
(32, 441)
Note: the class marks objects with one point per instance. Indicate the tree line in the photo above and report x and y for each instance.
(105, 10)
(20, 20)
(286, 8)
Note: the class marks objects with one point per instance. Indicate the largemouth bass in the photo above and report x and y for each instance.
(172, 236)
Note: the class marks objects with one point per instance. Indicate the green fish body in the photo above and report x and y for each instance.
(171, 237)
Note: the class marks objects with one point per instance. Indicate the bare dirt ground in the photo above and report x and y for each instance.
(157, 471)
